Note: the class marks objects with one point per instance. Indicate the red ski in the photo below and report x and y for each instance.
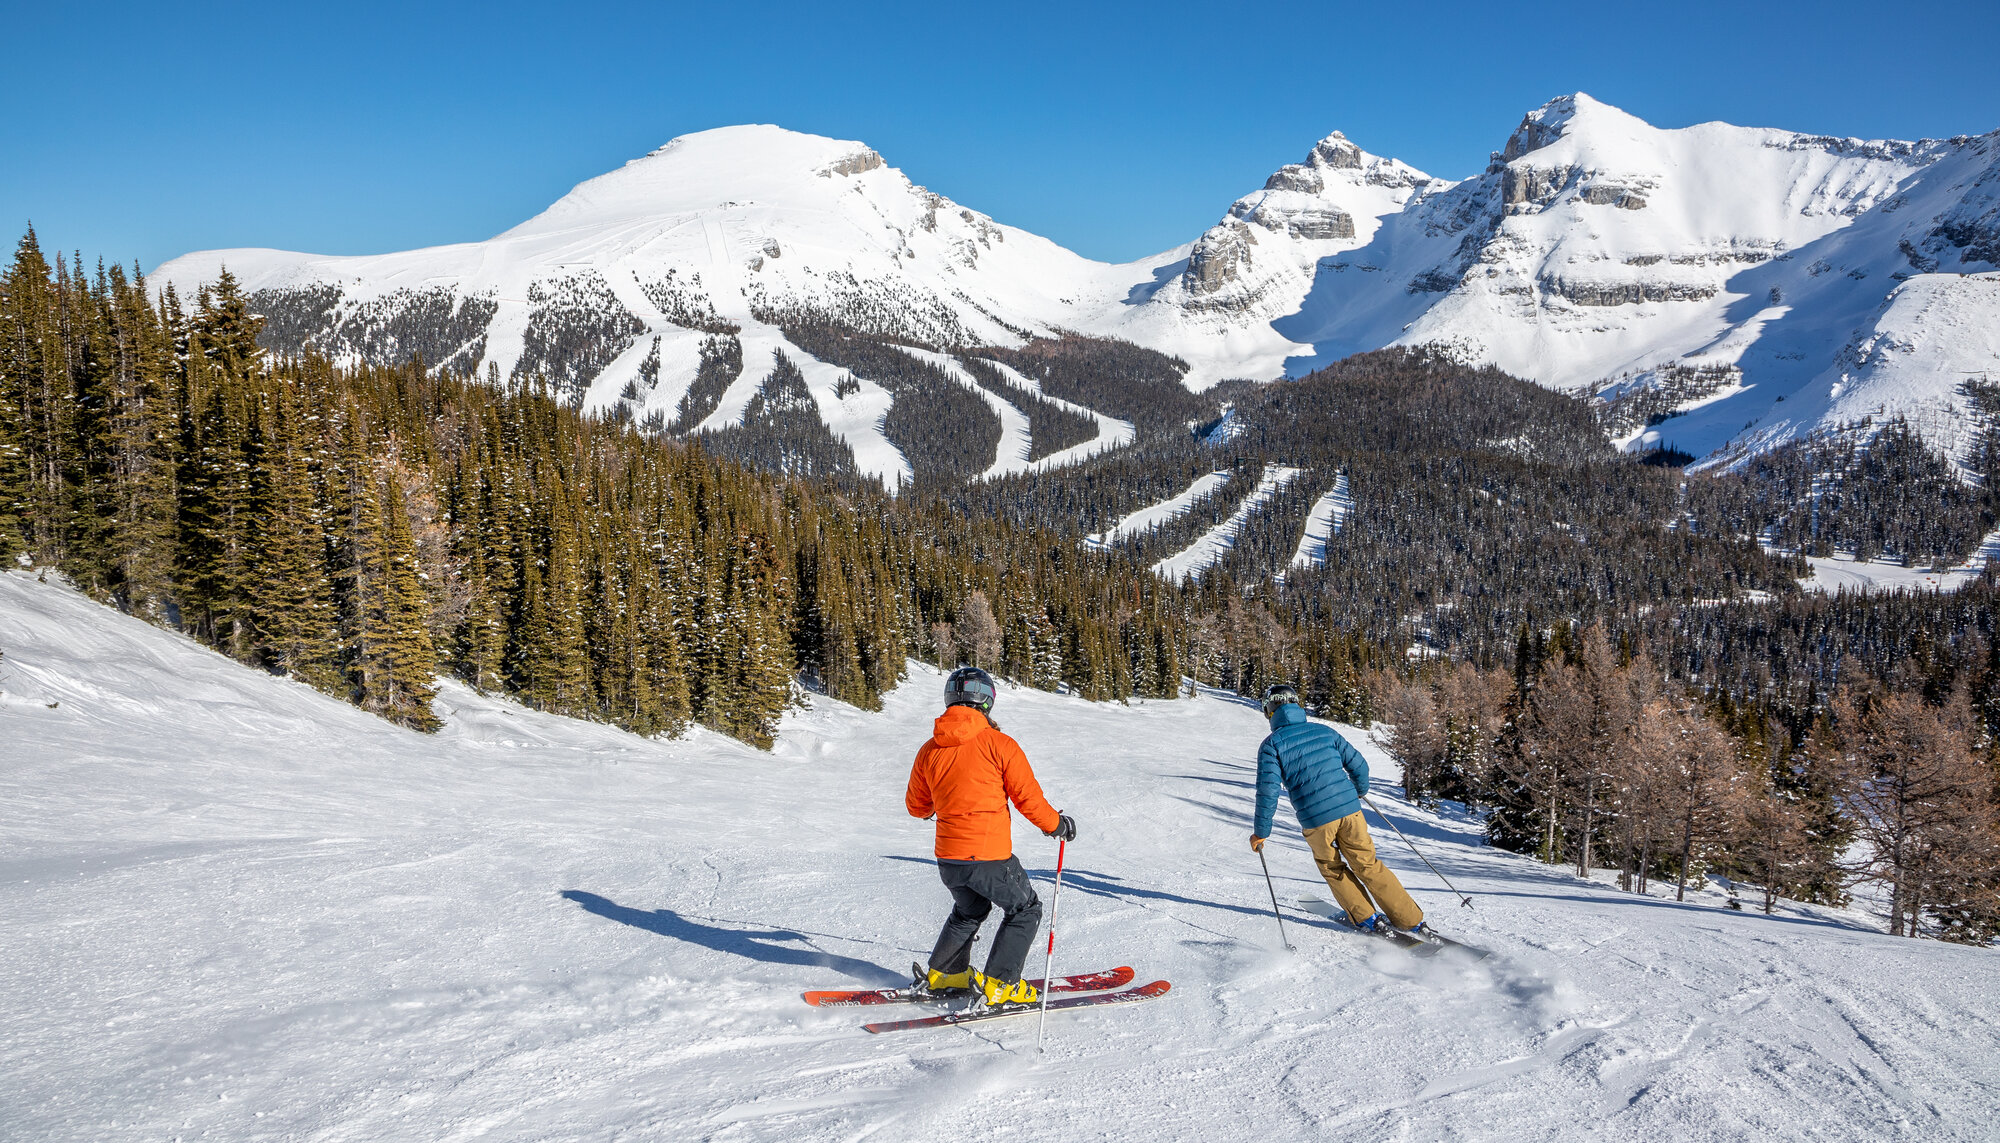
(1086, 982)
(1129, 996)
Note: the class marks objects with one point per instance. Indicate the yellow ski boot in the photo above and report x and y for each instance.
(999, 992)
(948, 982)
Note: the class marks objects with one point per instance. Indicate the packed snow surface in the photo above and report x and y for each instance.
(239, 910)
(1214, 544)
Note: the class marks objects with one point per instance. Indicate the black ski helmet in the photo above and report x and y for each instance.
(1277, 695)
(970, 686)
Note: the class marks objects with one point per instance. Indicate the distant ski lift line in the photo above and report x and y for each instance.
(1209, 550)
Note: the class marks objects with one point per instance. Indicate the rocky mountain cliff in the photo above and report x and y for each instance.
(1747, 280)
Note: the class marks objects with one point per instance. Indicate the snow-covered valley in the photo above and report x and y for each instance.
(239, 909)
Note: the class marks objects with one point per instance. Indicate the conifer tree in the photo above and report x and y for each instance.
(35, 362)
(553, 665)
(395, 659)
(131, 426)
(214, 501)
(21, 362)
(295, 618)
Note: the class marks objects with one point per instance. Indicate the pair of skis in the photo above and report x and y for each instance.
(1426, 944)
(1093, 983)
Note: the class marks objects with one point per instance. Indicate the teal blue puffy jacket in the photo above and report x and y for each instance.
(1322, 772)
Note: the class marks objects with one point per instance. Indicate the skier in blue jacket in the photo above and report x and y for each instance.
(1326, 778)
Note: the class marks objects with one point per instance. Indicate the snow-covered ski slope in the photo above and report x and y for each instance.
(1323, 523)
(1011, 454)
(1154, 515)
(1215, 543)
(239, 910)
(857, 419)
(1111, 432)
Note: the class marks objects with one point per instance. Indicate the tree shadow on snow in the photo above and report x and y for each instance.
(753, 944)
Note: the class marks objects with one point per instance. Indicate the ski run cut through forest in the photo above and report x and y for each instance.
(241, 909)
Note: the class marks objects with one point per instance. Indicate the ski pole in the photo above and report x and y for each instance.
(1274, 901)
(1049, 960)
(1462, 898)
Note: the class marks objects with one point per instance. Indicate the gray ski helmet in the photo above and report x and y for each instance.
(970, 686)
(1277, 695)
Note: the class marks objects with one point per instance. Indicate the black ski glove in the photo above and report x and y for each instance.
(1065, 828)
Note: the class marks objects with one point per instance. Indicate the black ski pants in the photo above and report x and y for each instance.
(977, 886)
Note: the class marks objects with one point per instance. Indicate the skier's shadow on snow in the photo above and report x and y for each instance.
(1115, 887)
(754, 944)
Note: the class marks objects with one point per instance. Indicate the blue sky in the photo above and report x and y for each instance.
(139, 132)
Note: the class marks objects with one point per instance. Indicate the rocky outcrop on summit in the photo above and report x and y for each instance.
(858, 163)
(1258, 260)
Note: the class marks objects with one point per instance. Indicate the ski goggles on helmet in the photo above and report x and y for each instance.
(970, 686)
(1277, 695)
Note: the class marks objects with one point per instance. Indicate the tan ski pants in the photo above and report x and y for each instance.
(1347, 860)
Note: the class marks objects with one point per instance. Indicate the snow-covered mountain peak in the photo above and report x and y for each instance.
(1336, 151)
(1573, 115)
(1258, 261)
(1337, 161)
(1732, 267)
(724, 168)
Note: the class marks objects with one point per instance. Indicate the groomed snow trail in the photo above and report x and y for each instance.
(1213, 545)
(855, 420)
(1328, 516)
(1111, 432)
(237, 909)
(1011, 454)
(1154, 515)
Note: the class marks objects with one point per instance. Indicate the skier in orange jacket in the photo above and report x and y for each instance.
(966, 775)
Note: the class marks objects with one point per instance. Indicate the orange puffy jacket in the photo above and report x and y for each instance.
(966, 774)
